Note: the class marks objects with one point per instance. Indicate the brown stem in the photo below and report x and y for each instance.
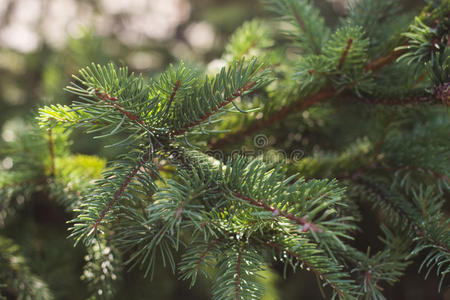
(383, 61)
(421, 234)
(306, 226)
(180, 210)
(112, 101)
(369, 280)
(120, 192)
(308, 265)
(202, 257)
(233, 96)
(300, 106)
(175, 89)
(273, 118)
(344, 54)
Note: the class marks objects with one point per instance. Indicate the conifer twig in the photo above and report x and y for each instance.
(420, 233)
(273, 118)
(203, 256)
(383, 61)
(113, 102)
(344, 54)
(175, 89)
(208, 114)
(436, 243)
(303, 26)
(414, 168)
(299, 105)
(180, 210)
(306, 226)
(120, 192)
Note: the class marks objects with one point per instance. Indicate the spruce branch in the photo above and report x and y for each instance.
(347, 49)
(344, 54)
(272, 119)
(205, 253)
(376, 17)
(252, 38)
(422, 221)
(145, 243)
(384, 266)
(247, 86)
(172, 86)
(306, 226)
(198, 258)
(430, 172)
(238, 273)
(221, 217)
(112, 101)
(210, 182)
(210, 96)
(128, 180)
(370, 68)
(175, 89)
(393, 209)
(323, 94)
(276, 116)
(302, 25)
(424, 42)
(310, 30)
(286, 199)
(382, 62)
(32, 171)
(414, 155)
(62, 115)
(119, 193)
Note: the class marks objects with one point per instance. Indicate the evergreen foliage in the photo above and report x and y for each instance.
(372, 95)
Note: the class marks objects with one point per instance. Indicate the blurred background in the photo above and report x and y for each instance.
(43, 42)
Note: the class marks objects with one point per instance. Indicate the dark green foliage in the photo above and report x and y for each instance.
(310, 31)
(238, 273)
(165, 200)
(375, 17)
(386, 265)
